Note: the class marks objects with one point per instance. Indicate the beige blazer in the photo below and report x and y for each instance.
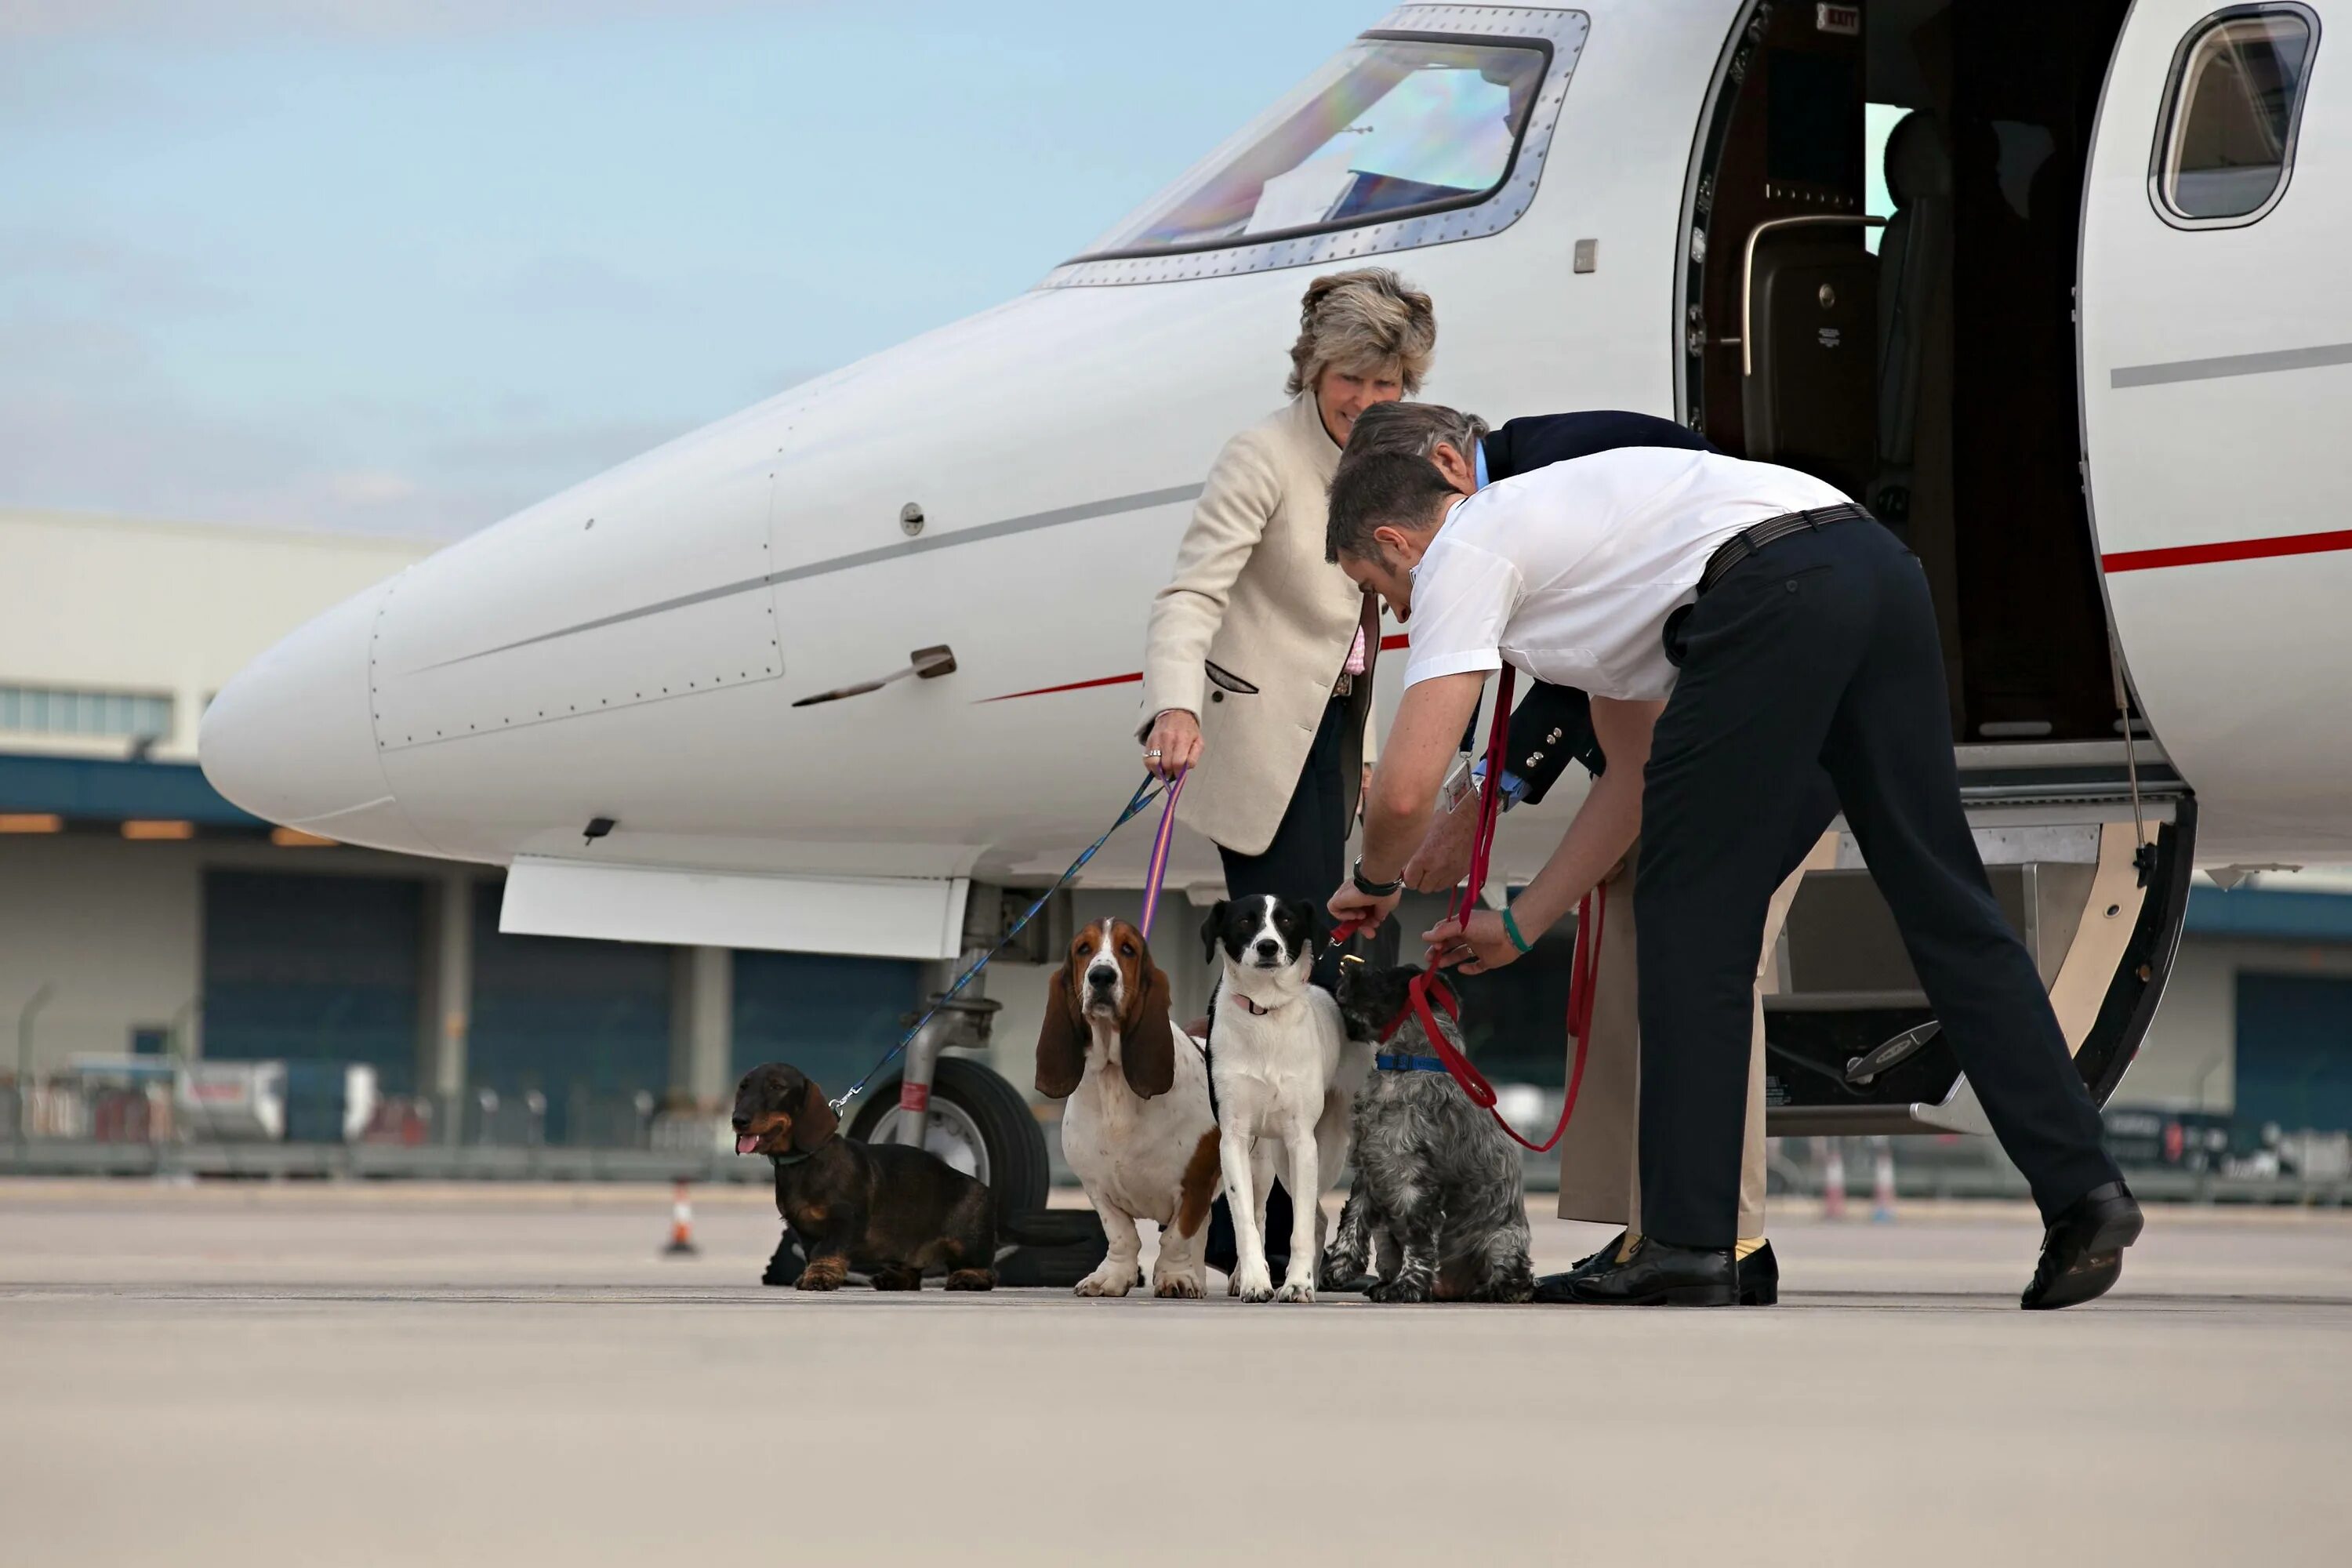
(1252, 631)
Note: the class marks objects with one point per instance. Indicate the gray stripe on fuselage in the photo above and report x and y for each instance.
(1142, 500)
(2231, 364)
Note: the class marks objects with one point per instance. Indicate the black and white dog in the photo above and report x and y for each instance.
(1439, 1191)
(1285, 1073)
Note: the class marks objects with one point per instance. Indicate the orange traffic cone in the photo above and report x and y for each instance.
(681, 1228)
(1882, 1182)
(1832, 1152)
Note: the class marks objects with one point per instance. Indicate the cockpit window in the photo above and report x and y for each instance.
(1394, 127)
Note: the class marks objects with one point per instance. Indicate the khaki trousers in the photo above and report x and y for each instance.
(1600, 1159)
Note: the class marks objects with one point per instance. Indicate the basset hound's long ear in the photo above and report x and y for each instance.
(1061, 1039)
(1147, 1036)
(815, 1121)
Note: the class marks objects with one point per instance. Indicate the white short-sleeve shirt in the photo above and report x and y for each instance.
(1570, 571)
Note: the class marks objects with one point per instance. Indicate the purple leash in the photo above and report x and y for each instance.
(1159, 867)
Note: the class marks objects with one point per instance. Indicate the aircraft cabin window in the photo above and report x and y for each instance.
(2237, 92)
(1406, 138)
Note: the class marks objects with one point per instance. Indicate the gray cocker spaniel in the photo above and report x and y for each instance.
(1438, 1191)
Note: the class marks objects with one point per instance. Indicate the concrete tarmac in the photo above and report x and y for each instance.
(401, 1374)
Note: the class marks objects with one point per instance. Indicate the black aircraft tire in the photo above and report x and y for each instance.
(1018, 1170)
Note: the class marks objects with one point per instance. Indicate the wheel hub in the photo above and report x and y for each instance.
(948, 1132)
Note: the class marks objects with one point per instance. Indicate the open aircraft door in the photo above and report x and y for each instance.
(2216, 343)
(1959, 427)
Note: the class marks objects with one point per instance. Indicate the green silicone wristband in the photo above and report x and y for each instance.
(1511, 930)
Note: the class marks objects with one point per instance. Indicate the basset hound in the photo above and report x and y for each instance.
(1137, 1130)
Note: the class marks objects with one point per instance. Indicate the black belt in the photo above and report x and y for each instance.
(1749, 540)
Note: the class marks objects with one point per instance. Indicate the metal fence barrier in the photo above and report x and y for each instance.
(151, 1115)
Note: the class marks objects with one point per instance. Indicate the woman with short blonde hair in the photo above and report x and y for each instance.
(1362, 320)
(1257, 669)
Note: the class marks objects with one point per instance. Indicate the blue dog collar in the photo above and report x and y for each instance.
(1408, 1064)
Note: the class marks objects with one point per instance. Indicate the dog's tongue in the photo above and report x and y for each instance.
(745, 1142)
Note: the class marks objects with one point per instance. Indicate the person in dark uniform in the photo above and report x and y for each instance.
(1739, 626)
(1553, 724)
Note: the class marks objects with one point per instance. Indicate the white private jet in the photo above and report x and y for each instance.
(2094, 368)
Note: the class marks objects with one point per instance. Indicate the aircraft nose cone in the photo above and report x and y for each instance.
(291, 738)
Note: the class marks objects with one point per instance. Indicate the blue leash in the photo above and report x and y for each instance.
(1145, 793)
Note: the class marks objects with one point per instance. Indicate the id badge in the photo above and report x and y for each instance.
(1458, 788)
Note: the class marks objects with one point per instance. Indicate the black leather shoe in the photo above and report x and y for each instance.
(2082, 1250)
(1660, 1273)
(1760, 1278)
(1555, 1290)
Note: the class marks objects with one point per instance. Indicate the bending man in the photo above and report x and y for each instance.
(1599, 1173)
(1740, 627)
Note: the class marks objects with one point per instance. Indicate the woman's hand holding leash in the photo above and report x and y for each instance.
(1174, 745)
(1482, 946)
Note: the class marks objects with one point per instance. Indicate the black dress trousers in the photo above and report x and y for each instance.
(1307, 856)
(1820, 652)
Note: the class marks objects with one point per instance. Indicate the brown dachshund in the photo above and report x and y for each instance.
(885, 1210)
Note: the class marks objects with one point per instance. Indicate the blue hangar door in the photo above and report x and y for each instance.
(587, 1023)
(828, 1017)
(313, 969)
(2295, 1051)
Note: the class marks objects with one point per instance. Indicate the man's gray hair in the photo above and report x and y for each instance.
(1415, 429)
(1383, 489)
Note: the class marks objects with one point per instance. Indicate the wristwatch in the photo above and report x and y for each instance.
(1370, 889)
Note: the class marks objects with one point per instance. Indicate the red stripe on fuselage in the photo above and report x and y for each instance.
(1073, 686)
(1394, 640)
(2230, 550)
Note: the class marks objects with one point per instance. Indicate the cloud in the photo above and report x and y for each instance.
(48, 88)
(237, 20)
(155, 456)
(116, 276)
(556, 454)
(66, 354)
(371, 488)
(567, 282)
(95, 414)
(117, 443)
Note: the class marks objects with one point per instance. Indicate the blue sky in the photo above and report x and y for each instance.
(403, 266)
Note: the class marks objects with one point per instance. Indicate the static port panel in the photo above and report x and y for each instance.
(638, 594)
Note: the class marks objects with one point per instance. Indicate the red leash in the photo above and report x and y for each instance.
(1430, 993)
(1591, 916)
